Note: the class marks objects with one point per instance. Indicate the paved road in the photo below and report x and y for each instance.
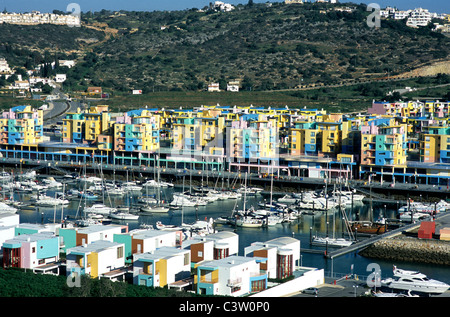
(57, 109)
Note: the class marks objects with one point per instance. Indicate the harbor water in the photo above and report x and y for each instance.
(329, 223)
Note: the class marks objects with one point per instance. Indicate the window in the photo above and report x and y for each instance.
(120, 252)
(258, 286)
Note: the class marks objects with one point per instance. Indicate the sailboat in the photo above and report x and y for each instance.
(370, 226)
(159, 207)
(243, 218)
(332, 241)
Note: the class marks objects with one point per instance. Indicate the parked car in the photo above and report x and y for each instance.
(311, 290)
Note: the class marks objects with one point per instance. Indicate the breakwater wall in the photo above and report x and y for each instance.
(410, 249)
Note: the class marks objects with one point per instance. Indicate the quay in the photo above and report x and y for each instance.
(442, 218)
(385, 192)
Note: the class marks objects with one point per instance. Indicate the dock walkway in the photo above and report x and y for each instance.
(440, 217)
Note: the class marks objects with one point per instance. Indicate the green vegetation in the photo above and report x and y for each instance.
(266, 47)
(172, 56)
(17, 283)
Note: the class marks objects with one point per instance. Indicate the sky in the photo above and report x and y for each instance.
(438, 6)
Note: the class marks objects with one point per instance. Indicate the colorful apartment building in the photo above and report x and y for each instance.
(392, 138)
(22, 125)
(253, 141)
(435, 143)
(304, 138)
(73, 127)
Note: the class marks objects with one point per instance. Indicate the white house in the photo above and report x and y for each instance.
(142, 241)
(67, 63)
(282, 256)
(233, 86)
(161, 267)
(8, 223)
(96, 258)
(214, 246)
(9, 219)
(73, 237)
(21, 84)
(31, 250)
(419, 17)
(213, 87)
(231, 276)
(60, 78)
(4, 67)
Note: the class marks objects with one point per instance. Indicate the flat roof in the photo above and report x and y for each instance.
(230, 261)
(94, 246)
(161, 253)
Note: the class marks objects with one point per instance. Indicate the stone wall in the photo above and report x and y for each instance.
(410, 249)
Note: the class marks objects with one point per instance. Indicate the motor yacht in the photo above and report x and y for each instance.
(100, 209)
(414, 281)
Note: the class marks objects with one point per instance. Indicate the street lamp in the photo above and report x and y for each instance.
(355, 287)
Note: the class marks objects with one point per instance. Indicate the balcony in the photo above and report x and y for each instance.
(234, 282)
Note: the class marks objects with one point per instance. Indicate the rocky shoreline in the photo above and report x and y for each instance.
(410, 249)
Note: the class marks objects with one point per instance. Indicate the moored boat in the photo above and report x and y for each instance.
(414, 281)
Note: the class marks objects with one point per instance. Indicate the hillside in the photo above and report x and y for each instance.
(265, 47)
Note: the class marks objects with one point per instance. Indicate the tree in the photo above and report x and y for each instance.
(47, 89)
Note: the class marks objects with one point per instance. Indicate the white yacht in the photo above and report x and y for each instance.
(331, 242)
(288, 199)
(249, 222)
(47, 201)
(154, 209)
(5, 208)
(182, 201)
(416, 216)
(414, 281)
(100, 209)
(131, 186)
(123, 216)
(153, 183)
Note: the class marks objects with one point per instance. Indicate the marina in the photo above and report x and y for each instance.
(302, 224)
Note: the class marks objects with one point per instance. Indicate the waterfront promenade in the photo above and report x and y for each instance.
(381, 192)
